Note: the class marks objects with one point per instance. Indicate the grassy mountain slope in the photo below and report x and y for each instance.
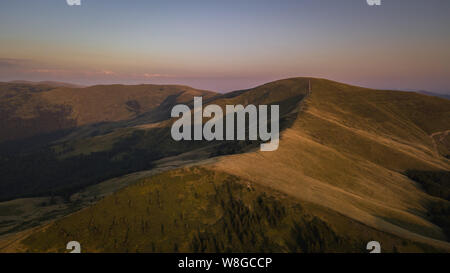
(29, 109)
(119, 102)
(346, 151)
(35, 166)
(343, 154)
(23, 115)
(196, 210)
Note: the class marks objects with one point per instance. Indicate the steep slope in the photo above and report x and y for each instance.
(346, 151)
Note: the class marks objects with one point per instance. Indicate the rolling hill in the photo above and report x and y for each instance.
(30, 109)
(339, 178)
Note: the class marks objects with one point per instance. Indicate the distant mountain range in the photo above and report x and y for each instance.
(48, 83)
(445, 96)
(354, 165)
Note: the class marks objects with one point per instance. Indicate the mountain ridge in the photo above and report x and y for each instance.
(345, 149)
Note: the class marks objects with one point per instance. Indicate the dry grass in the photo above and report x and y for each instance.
(345, 152)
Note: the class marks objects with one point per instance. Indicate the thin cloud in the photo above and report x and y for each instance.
(12, 63)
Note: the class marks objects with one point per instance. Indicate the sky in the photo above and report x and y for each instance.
(227, 45)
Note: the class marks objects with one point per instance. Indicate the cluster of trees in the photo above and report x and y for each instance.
(436, 183)
(440, 215)
(266, 225)
(194, 211)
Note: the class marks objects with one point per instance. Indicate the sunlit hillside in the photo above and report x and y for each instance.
(342, 175)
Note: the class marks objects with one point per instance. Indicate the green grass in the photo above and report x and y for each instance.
(191, 211)
(194, 210)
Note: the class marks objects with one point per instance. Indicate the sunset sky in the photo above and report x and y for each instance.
(227, 45)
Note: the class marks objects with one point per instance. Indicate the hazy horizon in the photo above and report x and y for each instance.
(81, 85)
